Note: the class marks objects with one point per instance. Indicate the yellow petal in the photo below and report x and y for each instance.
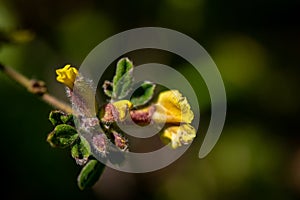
(122, 108)
(172, 107)
(67, 75)
(179, 135)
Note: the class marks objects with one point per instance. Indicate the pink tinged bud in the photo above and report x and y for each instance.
(100, 143)
(110, 113)
(143, 116)
(120, 141)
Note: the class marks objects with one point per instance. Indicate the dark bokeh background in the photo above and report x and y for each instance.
(255, 44)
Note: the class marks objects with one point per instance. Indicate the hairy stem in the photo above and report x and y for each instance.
(35, 87)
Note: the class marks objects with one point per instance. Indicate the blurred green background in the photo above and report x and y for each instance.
(255, 44)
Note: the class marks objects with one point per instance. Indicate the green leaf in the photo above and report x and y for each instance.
(67, 119)
(143, 94)
(81, 150)
(123, 79)
(62, 136)
(57, 117)
(108, 88)
(90, 174)
(54, 117)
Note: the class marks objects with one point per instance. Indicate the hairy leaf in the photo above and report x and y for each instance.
(62, 136)
(54, 117)
(57, 117)
(123, 78)
(108, 88)
(81, 150)
(143, 94)
(90, 174)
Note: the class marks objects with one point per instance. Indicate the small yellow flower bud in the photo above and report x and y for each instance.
(122, 107)
(67, 75)
(116, 111)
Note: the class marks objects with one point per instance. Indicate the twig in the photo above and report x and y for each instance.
(35, 87)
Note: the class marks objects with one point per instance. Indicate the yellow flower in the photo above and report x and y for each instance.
(67, 75)
(178, 135)
(172, 107)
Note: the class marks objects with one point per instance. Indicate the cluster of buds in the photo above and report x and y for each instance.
(171, 109)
